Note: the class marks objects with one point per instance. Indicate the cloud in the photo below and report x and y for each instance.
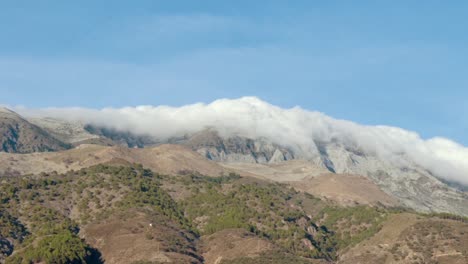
(295, 127)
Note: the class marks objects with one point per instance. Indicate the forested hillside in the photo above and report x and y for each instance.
(129, 214)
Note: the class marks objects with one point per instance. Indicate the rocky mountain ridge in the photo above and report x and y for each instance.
(412, 185)
(19, 135)
(234, 149)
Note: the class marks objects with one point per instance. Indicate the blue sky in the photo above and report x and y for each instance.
(400, 63)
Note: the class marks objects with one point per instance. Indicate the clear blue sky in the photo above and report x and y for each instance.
(401, 63)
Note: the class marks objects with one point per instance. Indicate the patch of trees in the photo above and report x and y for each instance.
(266, 210)
(61, 248)
(268, 258)
(352, 225)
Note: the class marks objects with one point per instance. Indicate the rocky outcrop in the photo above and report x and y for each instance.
(235, 149)
(414, 186)
(68, 132)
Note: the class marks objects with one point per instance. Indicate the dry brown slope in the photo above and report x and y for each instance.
(165, 159)
(292, 170)
(409, 238)
(345, 189)
(134, 236)
(232, 243)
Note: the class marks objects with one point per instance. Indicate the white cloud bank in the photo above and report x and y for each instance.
(296, 128)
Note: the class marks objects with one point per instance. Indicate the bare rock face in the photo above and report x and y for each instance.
(236, 149)
(414, 186)
(68, 132)
(20, 136)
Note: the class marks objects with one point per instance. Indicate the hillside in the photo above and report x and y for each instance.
(128, 214)
(175, 159)
(400, 177)
(68, 207)
(17, 135)
(97, 208)
(69, 132)
(170, 159)
(396, 174)
(213, 198)
(344, 189)
(408, 238)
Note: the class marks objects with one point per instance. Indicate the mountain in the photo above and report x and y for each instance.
(411, 187)
(207, 142)
(20, 136)
(415, 186)
(214, 197)
(412, 184)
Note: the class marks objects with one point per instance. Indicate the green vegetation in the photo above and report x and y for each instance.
(11, 227)
(269, 258)
(352, 224)
(45, 203)
(53, 207)
(63, 247)
(432, 235)
(268, 210)
(449, 216)
(144, 191)
(53, 238)
(272, 211)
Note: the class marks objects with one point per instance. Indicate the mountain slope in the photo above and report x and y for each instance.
(235, 149)
(344, 189)
(128, 214)
(169, 159)
(125, 214)
(17, 135)
(410, 184)
(252, 135)
(69, 132)
(407, 238)
(413, 185)
(302, 131)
